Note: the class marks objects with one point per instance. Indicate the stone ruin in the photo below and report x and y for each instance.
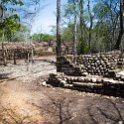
(95, 64)
(14, 51)
(49, 48)
(96, 73)
(22, 49)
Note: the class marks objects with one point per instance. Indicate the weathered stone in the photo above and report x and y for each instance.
(96, 64)
(122, 77)
(84, 74)
(111, 73)
(93, 80)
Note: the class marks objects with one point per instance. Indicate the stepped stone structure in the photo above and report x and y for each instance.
(104, 64)
(96, 73)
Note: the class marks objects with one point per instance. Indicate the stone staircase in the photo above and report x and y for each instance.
(68, 67)
(90, 83)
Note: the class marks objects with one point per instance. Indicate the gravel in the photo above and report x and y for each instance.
(28, 72)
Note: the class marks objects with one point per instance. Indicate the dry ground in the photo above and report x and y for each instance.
(23, 99)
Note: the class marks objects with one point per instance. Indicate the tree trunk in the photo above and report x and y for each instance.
(58, 36)
(90, 33)
(14, 57)
(3, 48)
(4, 55)
(117, 45)
(82, 28)
(28, 57)
(91, 24)
(32, 54)
(75, 30)
(81, 19)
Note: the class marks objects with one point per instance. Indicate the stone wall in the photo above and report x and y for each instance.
(14, 51)
(105, 64)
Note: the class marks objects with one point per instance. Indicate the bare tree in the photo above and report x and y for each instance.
(117, 45)
(75, 29)
(91, 23)
(81, 18)
(83, 32)
(58, 36)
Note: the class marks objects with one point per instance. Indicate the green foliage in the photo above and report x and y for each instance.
(101, 10)
(106, 28)
(19, 37)
(101, 28)
(9, 20)
(69, 9)
(10, 26)
(8, 5)
(67, 34)
(14, 2)
(42, 37)
(82, 47)
(22, 34)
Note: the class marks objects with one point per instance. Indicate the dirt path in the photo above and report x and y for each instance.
(27, 100)
(19, 91)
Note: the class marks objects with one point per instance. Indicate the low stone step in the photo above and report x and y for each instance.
(4, 75)
(106, 86)
(91, 85)
(88, 87)
(111, 81)
(69, 86)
